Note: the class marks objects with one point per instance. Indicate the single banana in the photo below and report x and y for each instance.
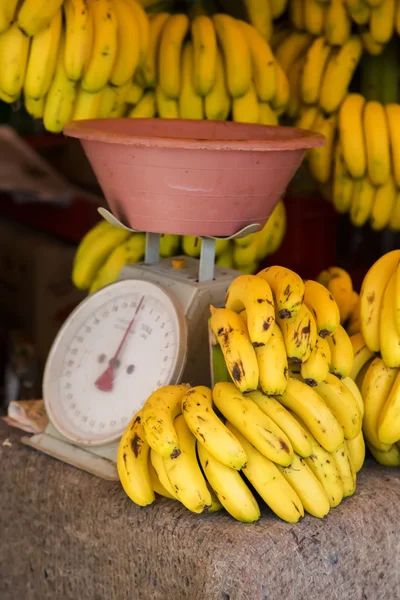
(266, 116)
(353, 324)
(361, 376)
(371, 295)
(370, 45)
(382, 21)
(14, 52)
(376, 387)
(286, 422)
(58, 111)
(384, 202)
(305, 402)
(169, 54)
(78, 37)
(296, 14)
(158, 487)
(269, 482)
(337, 23)
(254, 294)
(339, 73)
(204, 41)
(99, 66)
(190, 103)
(157, 462)
(359, 11)
(95, 232)
(391, 458)
(263, 61)
(209, 429)
(167, 108)
(394, 223)
(113, 101)
(316, 368)
(272, 363)
(295, 44)
(128, 47)
(342, 354)
(307, 116)
(388, 333)
(281, 98)
(299, 334)
(274, 231)
(158, 414)
(184, 472)
(260, 16)
(355, 390)
(144, 29)
(343, 405)
(362, 354)
(35, 15)
(314, 16)
(236, 53)
(230, 488)
(343, 183)
(397, 298)
(294, 77)
(134, 93)
(253, 423)
(351, 131)
(362, 201)
(240, 358)
(393, 119)
(7, 13)
(278, 7)
(323, 306)
(287, 290)
(132, 463)
(339, 283)
(87, 105)
(146, 107)
(376, 133)
(148, 69)
(320, 159)
(43, 58)
(342, 461)
(314, 67)
(34, 106)
(307, 487)
(217, 104)
(356, 451)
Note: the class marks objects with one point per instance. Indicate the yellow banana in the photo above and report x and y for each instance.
(351, 131)
(314, 16)
(394, 223)
(286, 422)
(148, 69)
(42, 59)
(305, 402)
(376, 133)
(266, 116)
(362, 201)
(132, 464)
(343, 405)
(254, 294)
(225, 259)
(384, 203)
(78, 37)
(287, 290)
(190, 103)
(361, 376)
(209, 429)
(269, 482)
(353, 387)
(95, 232)
(316, 368)
(236, 53)
(146, 107)
(342, 354)
(184, 472)
(362, 354)
(397, 298)
(134, 93)
(388, 333)
(343, 183)
(167, 108)
(294, 77)
(34, 106)
(278, 7)
(158, 487)
(113, 101)
(393, 119)
(339, 283)
(323, 306)
(144, 29)
(7, 13)
(35, 15)
(260, 16)
(307, 487)
(356, 451)
(391, 458)
(299, 334)
(58, 111)
(217, 104)
(382, 21)
(337, 23)
(158, 414)
(359, 11)
(320, 159)
(370, 46)
(99, 66)
(314, 67)
(14, 52)
(204, 54)
(307, 116)
(281, 98)
(272, 363)
(169, 54)
(296, 14)
(128, 47)
(376, 386)
(339, 73)
(353, 324)
(274, 231)
(87, 105)
(295, 44)
(342, 461)
(230, 488)
(263, 61)
(253, 423)
(371, 295)
(157, 462)
(240, 358)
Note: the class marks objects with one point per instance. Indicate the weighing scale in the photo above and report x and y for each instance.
(147, 330)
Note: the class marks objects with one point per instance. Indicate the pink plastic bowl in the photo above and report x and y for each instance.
(191, 177)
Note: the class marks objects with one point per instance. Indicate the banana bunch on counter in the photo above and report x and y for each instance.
(287, 417)
(106, 249)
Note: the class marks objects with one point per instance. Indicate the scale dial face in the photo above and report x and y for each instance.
(114, 350)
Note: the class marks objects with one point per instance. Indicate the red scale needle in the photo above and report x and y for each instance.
(105, 382)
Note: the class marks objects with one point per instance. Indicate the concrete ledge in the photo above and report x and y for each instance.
(67, 535)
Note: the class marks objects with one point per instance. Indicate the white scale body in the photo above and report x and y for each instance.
(168, 343)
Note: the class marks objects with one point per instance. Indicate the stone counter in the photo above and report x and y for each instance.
(67, 535)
